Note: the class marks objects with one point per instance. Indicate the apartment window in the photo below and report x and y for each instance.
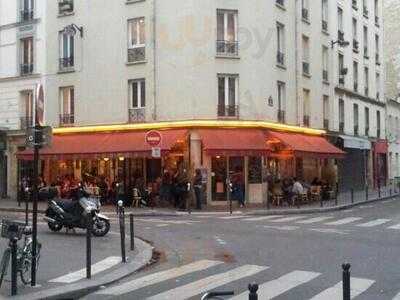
(306, 55)
(306, 108)
(340, 23)
(66, 51)
(27, 56)
(65, 7)
(366, 42)
(378, 86)
(305, 10)
(355, 35)
(355, 118)
(355, 4)
(325, 64)
(378, 124)
(227, 32)
(137, 100)
(228, 86)
(26, 116)
(377, 55)
(67, 105)
(326, 111)
(325, 16)
(365, 8)
(366, 115)
(366, 82)
(342, 69)
(280, 29)
(355, 76)
(281, 101)
(27, 7)
(136, 40)
(341, 115)
(376, 11)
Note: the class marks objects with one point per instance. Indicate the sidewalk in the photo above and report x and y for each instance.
(62, 265)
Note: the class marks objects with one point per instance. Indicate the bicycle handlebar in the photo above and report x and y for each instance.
(210, 295)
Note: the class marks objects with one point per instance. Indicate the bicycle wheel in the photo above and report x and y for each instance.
(5, 261)
(25, 263)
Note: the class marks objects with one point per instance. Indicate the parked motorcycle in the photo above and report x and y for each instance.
(72, 213)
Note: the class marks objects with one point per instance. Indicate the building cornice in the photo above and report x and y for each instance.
(359, 96)
(19, 24)
(25, 77)
(393, 102)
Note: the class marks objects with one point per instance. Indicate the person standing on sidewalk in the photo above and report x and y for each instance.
(198, 188)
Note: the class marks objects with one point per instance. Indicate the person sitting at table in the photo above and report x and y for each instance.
(297, 189)
(287, 190)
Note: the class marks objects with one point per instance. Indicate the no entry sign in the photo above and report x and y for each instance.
(153, 138)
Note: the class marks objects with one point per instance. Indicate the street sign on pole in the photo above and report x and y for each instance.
(156, 152)
(40, 136)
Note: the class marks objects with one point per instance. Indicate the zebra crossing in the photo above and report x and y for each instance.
(193, 279)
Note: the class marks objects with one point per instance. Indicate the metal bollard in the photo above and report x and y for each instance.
(132, 232)
(352, 195)
(253, 288)
(379, 191)
(14, 272)
(346, 281)
(366, 192)
(88, 245)
(26, 198)
(121, 215)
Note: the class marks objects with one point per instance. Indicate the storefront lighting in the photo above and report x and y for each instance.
(189, 124)
(121, 158)
(106, 159)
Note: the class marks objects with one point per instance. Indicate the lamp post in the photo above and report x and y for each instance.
(341, 43)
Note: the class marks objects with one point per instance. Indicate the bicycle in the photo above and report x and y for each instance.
(217, 295)
(24, 258)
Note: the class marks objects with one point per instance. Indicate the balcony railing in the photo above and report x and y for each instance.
(341, 79)
(341, 35)
(230, 111)
(136, 54)
(304, 14)
(341, 127)
(26, 122)
(137, 115)
(325, 75)
(65, 6)
(67, 119)
(26, 15)
(280, 2)
(355, 129)
(66, 63)
(365, 11)
(306, 68)
(281, 116)
(306, 121)
(26, 69)
(228, 48)
(324, 25)
(326, 124)
(280, 58)
(366, 131)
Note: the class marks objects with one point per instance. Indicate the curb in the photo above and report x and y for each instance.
(144, 253)
(318, 210)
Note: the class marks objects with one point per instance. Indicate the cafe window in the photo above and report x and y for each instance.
(255, 171)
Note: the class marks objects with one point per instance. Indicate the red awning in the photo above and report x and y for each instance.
(100, 145)
(305, 145)
(234, 142)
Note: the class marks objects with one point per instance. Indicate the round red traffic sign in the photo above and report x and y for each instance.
(153, 138)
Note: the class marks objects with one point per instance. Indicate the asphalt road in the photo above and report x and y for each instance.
(291, 257)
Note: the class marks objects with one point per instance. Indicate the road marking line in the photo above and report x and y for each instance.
(397, 297)
(397, 226)
(366, 206)
(162, 225)
(209, 283)
(286, 228)
(96, 268)
(231, 217)
(314, 220)
(329, 230)
(374, 223)
(262, 218)
(287, 219)
(343, 221)
(280, 285)
(357, 287)
(158, 277)
(174, 222)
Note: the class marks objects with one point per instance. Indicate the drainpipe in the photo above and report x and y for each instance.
(296, 34)
(154, 60)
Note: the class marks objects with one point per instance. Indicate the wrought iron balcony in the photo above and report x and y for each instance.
(280, 58)
(26, 69)
(136, 54)
(228, 48)
(356, 45)
(325, 75)
(365, 11)
(67, 119)
(281, 116)
(66, 63)
(229, 111)
(26, 15)
(137, 115)
(26, 122)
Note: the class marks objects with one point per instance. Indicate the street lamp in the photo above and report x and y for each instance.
(341, 43)
(72, 29)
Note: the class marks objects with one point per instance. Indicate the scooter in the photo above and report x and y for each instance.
(73, 213)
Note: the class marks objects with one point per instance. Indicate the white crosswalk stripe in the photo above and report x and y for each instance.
(287, 219)
(397, 297)
(314, 220)
(373, 223)
(264, 218)
(158, 277)
(280, 285)
(208, 283)
(98, 267)
(358, 286)
(343, 221)
(231, 217)
(397, 226)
